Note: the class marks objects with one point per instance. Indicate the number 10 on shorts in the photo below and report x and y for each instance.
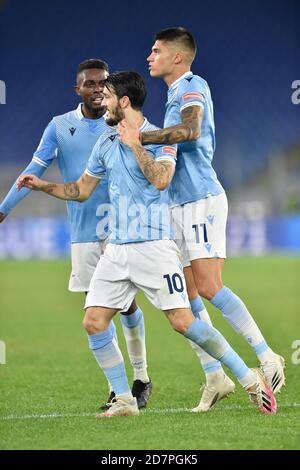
(197, 229)
(175, 282)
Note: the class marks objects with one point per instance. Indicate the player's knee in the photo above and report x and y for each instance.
(208, 289)
(92, 324)
(179, 326)
(88, 325)
(180, 323)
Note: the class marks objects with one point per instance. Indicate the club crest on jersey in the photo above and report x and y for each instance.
(169, 151)
(72, 130)
(193, 96)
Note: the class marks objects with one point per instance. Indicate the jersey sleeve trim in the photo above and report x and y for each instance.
(40, 162)
(166, 159)
(192, 103)
(90, 173)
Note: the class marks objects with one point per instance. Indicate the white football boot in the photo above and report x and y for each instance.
(121, 407)
(273, 372)
(220, 386)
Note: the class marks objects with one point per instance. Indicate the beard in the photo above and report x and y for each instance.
(117, 117)
(97, 110)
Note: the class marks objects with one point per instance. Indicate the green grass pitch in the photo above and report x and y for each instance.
(51, 385)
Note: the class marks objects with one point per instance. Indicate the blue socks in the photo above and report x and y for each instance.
(236, 313)
(216, 345)
(209, 364)
(110, 359)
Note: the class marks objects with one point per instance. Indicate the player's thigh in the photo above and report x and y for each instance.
(207, 268)
(84, 257)
(110, 286)
(156, 269)
(205, 227)
(208, 276)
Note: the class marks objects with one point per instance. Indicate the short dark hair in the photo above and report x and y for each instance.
(128, 83)
(178, 34)
(92, 64)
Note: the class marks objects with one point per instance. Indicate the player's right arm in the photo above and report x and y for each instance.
(79, 190)
(191, 99)
(188, 129)
(42, 159)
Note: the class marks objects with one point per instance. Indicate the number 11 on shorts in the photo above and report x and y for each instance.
(197, 230)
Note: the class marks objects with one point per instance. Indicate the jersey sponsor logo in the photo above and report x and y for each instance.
(169, 151)
(193, 95)
(72, 130)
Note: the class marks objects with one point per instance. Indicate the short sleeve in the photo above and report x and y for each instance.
(47, 149)
(191, 92)
(164, 153)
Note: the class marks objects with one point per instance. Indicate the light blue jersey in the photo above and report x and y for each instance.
(139, 212)
(194, 178)
(70, 138)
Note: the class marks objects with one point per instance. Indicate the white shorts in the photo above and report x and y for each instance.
(85, 257)
(200, 228)
(154, 267)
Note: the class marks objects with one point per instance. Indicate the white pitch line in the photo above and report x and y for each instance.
(153, 410)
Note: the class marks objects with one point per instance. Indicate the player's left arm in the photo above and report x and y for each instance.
(159, 173)
(79, 190)
(189, 129)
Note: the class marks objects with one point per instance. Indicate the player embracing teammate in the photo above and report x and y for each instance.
(199, 206)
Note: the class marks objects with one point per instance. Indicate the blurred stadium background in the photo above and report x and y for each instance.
(248, 52)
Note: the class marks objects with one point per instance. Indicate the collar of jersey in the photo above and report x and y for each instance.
(175, 84)
(144, 125)
(81, 117)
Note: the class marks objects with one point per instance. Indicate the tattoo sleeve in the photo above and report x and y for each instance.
(157, 173)
(189, 129)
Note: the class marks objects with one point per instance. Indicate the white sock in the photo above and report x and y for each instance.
(248, 380)
(134, 332)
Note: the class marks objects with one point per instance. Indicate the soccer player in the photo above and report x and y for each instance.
(70, 138)
(140, 253)
(199, 205)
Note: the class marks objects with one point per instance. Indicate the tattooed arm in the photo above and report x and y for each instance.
(189, 129)
(79, 190)
(158, 173)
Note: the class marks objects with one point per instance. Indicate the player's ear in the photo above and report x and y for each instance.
(124, 101)
(77, 90)
(177, 58)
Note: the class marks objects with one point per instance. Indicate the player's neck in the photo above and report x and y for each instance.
(135, 118)
(172, 77)
(89, 114)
